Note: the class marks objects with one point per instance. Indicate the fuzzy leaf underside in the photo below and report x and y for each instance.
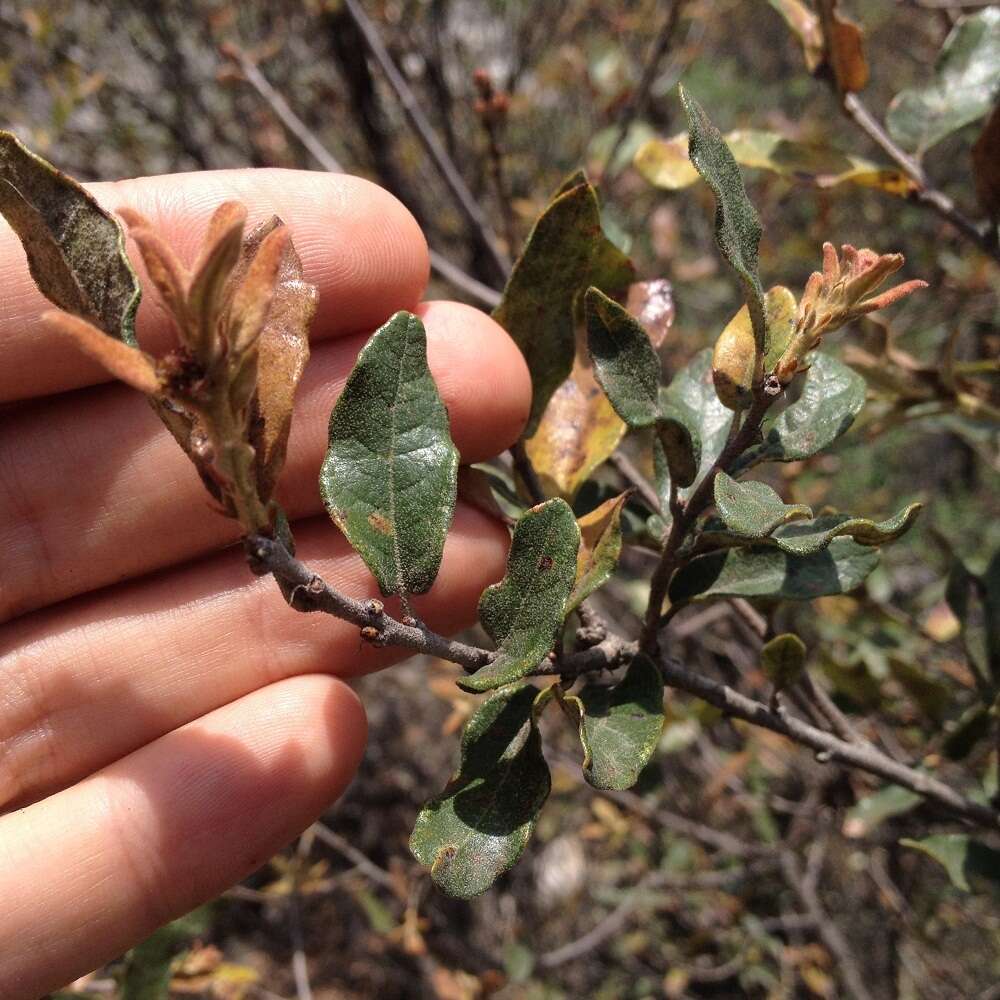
(390, 474)
(737, 225)
(753, 510)
(767, 572)
(479, 826)
(620, 726)
(832, 396)
(600, 547)
(783, 659)
(806, 537)
(525, 610)
(964, 85)
(75, 249)
(625, 364)
(565, 253)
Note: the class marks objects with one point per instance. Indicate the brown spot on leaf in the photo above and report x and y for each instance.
(380, 523)
(545, 563)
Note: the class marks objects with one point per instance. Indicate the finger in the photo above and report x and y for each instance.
(92, 870)
(358, 244)
(90, 680)
(93, 490)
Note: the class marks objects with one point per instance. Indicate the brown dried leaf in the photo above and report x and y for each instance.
(805, 24)
(132, 366)
(253, 298)
(843, 48)
(986, 164)
(164, 269)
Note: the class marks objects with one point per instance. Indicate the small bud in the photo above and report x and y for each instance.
(316, 585)
(409, 621)
(370, 634)
(374, 608)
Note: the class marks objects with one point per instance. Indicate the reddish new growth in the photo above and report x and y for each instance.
(839, 294)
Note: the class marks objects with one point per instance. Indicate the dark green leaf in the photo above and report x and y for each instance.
(566, 253)
(620, 726)
(625, 364)
(975, 602)
(931, 695)
(961, 856)
(479, 826)
(600, 547)
(76, 250)
(832, 396)
(753, 510)
(965, 82)
(806, 537)
(783, 659)
(681, 446)
(390, 475)
(524, 612)
(691, 399)
(764, 571)
(147, 971)
(737, 225)
(961, 736)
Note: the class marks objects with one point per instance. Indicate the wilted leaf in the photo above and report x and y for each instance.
(986, 165)
(578, 431)
(806, 537)
(783, 659)
(620, 726)
(479, 826)
(832, 396)
(764, 571)
(389, 477)
(664, 162)
(652, 304)
(691, 398)
(600, 547)
(843, 48)
(524, 612)
(737, 226)
(283, 350)
(965, 83)
(753, 510)
(961, 857)
(625, 364)
(75, 250)
(873, 810)
(566, 253)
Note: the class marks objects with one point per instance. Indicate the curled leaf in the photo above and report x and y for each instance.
(479, 826)
(753, 510)
(524, 612)
(75, 250)
(600, 547)
(805, 537)
(389, 477)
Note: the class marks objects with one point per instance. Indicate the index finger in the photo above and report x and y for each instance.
(358, 244)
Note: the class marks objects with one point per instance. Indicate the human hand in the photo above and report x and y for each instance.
(167, 722)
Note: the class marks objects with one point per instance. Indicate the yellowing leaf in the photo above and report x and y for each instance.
(805, 24)
(664, 162)
(843, 48)
(600, 546)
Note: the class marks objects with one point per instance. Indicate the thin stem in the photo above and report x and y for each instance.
(925, 194)
(440, 264)
(526, 471)
(266, 555)
(425, 133)
(635, 478)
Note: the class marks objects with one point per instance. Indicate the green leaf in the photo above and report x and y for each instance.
(147, 971)
(691, 399)
(975, 602)
(873, 810)
(966, 731)
(737, 225)
(665, 164)
(931, 695)
(620, 726)
(783, 659)
(753, 510)
(961, 856)
(600, 547)
(625, 364)
(679, 446)
(764, 571)
(806, 537)
(566, 253)
(524, 612)
(479, 826)
(390, 475)
(76, 250)
(832, 396)
(964, 85)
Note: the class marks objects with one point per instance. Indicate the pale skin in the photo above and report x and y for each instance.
(167, 722)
